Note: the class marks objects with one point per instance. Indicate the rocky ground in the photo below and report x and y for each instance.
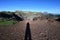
(39, 30)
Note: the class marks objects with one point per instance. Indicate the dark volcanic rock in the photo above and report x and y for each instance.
(58, 19)
(17, 17)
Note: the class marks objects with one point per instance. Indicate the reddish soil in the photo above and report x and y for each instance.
(40, 30)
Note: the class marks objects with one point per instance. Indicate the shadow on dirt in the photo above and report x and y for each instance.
(28, 32)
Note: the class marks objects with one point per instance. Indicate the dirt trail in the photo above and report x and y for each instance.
(40, 30)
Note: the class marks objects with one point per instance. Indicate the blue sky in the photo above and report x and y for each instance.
(51, 6)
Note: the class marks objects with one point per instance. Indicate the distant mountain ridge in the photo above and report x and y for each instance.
(27, 14)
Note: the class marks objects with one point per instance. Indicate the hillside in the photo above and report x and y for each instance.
(26, 15)
(21, 25)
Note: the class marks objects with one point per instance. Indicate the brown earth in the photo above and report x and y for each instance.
(40, 30)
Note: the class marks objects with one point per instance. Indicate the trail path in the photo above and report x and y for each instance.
(40, 30)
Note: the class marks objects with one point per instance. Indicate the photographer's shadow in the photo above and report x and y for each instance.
(28, 32)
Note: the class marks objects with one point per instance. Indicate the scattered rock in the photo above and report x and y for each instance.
(1, 34)
(11, 33)
(43, 35)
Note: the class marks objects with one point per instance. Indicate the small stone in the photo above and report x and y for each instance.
(43, 35)
(11, 33)
(1, 34)
(15, 39)
(6, 34)
(47, 38)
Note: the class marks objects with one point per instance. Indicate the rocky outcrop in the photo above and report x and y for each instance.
(58, 19)
(17, 17)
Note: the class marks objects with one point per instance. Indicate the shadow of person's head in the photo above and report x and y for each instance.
(28, 23)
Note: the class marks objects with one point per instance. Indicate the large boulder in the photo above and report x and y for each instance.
(35, 18)
(58, 19)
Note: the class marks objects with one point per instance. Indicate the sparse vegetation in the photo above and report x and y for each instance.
(6, 22)
(6, 17)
